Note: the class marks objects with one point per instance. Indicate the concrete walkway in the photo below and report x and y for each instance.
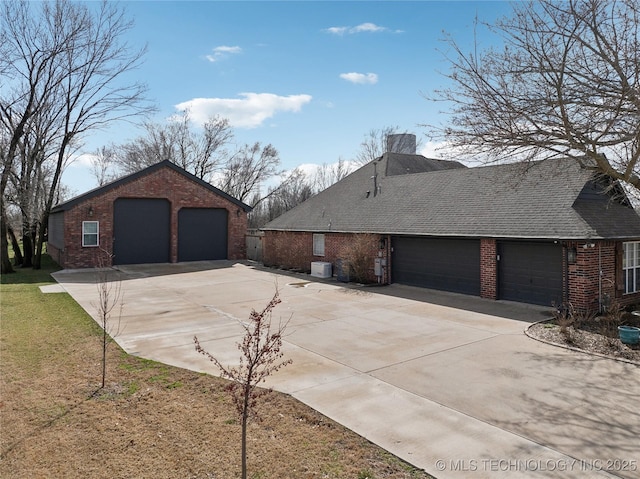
(447, 382)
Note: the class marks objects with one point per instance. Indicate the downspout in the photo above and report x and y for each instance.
(388, 269)
(566, 274)
(375, 179)
(599, 277)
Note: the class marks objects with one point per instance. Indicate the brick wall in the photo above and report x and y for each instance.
(582, 283)
(162, 183)
(586, 286)
(294, 250)
(584, 275)
(488, 268)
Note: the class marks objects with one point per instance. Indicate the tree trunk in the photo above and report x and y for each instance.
(5, 262)
(18, 260)
(245, 417)
(37, 260)
(105, 340)
(37, 254)
(28, 240)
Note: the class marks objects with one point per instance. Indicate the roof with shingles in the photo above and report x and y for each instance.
(551, 199)
(132, 177)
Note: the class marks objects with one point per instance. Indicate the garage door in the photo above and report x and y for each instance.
(530, 272)
(141, 231)
(202, 234)
(444, 264)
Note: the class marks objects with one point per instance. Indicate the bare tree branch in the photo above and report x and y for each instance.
(65, 73)
(261, 356)
(566, 83)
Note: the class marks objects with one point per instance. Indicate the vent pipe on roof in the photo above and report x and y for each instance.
(375, 179)
(401, 143)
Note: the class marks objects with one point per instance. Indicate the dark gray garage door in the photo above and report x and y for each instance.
(530, 272)
(141, 228)
(202, 234)
(444, 264)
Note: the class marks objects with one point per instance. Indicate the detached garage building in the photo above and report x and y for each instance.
(161, 214)
(544, 233)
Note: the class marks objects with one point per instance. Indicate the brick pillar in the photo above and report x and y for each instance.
(488, 268)
(585, 282)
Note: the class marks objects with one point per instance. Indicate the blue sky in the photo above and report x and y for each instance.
(311, 78)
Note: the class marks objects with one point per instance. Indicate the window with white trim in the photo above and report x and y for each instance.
(631, 266)
(90, 234)
(318, 245)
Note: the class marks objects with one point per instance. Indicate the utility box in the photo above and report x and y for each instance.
(321, 269)
(378, 266)
(342, 271)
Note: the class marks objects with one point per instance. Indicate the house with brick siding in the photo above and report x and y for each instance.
(161, 214)
(545, 233)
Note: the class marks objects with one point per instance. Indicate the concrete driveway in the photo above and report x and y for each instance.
(449, 383)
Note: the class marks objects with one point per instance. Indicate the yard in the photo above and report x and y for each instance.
(151, 420)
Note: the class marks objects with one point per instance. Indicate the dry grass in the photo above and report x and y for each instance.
(151, 420)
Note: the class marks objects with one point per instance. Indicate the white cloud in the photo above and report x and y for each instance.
(360, 78)
(309, 169)
(81, 160)
(366, 27)
(248, 111)
(337, 30)
(312, 169)
(221, 52)
(443, 150)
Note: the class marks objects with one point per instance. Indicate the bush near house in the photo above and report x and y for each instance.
(358, 258)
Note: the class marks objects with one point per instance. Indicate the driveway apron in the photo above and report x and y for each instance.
(452, 390)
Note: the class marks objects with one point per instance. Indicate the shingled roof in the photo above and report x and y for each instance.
(551, 199)
(146, 171)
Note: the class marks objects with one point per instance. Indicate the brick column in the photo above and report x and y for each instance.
(488, 268)
(584, 275)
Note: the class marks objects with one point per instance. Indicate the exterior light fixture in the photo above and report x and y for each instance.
(572, 255)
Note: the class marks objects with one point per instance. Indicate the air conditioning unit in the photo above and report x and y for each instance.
(321, 269)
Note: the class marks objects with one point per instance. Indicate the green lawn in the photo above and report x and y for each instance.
(39, 327)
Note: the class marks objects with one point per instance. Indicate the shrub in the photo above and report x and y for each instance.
(358, 256)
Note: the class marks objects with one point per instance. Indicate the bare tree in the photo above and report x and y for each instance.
(356, 255)
(376, 143)
(110, 297)
(200, 151)
(566, 83)
(261, 357)
(210, 147)
(292, 190)
(328, 174)
(62, 61)
(248, 169)
(27, 64)
(102, 164)
(30, 179)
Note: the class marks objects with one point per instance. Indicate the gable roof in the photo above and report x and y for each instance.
(550, 199)
(129, 178)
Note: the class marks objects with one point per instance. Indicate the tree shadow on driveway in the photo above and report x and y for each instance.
(586, 408)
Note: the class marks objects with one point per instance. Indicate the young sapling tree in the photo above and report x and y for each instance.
(110, 297)
(261, 356)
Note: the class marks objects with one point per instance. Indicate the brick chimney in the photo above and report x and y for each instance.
(401, 143)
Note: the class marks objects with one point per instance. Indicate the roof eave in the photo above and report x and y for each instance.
(139, 174)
